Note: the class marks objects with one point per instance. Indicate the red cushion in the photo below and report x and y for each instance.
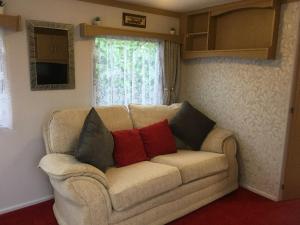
(158, 139)
(128, 148)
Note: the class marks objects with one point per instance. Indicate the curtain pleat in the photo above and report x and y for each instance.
(171, 72)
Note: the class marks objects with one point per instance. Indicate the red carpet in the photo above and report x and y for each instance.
(239, 208)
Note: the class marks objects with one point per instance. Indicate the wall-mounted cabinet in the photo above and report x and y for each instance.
(196, 37)
(243, 29)
(10, 22)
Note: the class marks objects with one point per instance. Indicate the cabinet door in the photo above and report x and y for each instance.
(44, 46)
(52, 48)
(61, 51)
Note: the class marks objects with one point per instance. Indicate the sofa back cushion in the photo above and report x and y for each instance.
(145, 115)
(61, 135)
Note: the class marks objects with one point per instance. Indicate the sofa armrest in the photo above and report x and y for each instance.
(223, 141)
(84, 197)
(63, 166)
(216, 141)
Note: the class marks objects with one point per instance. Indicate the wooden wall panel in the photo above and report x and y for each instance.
(135, 7)
(244, 29)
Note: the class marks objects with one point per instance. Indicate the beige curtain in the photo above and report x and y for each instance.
(171, 72)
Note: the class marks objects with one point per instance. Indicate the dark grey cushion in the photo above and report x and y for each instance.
(180, 144)
(191, 126)
(96, 143)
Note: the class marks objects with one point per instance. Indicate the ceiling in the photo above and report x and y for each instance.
(178, 5)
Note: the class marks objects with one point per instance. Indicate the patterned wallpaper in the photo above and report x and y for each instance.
(250, 97)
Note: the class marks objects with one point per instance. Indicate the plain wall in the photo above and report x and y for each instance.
(21, 181)
(251, 98)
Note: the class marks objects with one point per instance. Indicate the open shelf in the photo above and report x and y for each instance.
(196, 43)
(197, 34)
(247, 29)
(260, 53)
(10, 22)
(197, 23)
(87, 30)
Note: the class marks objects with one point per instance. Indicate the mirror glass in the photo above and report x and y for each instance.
(51, 55)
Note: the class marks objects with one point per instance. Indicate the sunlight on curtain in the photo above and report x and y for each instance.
(5, 105)
(127, 71)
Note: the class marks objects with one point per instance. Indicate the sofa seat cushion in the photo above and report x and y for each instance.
(139, 182)
(194, 165)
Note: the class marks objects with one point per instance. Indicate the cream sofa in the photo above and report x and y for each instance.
(145, 193)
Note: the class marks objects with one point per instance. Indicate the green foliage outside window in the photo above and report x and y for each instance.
(127, 71)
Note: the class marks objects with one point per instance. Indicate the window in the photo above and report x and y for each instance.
(127, 71)
(5, 112)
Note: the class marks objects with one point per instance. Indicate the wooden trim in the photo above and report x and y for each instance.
(89, 31)
(290, 123)
(218, 10)
(10, 22)
(197, 34)
(260, 53)
(134, 7)
(288, 1)
(19, 24)
(211, 39)
(273, 48)
(199, 11)
(207, 9)
(183, 29)
(141, 8)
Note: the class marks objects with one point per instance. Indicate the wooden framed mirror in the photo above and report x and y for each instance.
(51, 55)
